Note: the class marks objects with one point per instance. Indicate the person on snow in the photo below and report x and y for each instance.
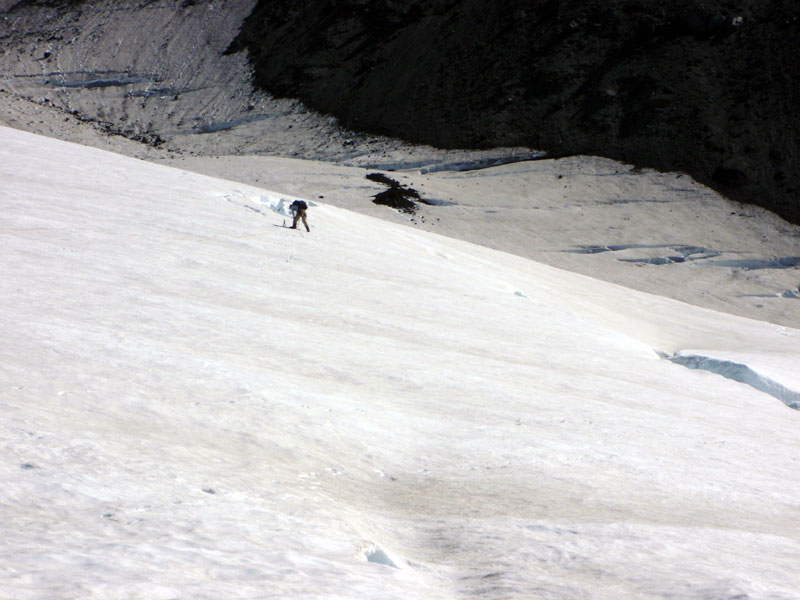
(299, 208)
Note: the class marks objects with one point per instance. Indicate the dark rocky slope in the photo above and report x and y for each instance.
(709, 88)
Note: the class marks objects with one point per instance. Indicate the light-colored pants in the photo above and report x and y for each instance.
(300, 214)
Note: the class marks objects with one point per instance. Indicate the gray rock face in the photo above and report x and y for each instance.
(146, 69)
(155, 71)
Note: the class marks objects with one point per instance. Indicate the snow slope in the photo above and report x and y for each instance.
(199, 403)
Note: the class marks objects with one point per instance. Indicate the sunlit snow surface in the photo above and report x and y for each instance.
(200, 403)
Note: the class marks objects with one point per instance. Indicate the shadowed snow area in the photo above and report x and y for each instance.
(196, 402)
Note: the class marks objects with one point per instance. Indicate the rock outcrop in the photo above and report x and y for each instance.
(709, 88)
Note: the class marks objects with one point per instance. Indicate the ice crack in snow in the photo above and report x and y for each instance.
(376, 555)
(739, 372)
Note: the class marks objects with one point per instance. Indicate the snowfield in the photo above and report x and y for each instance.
(197, 402)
